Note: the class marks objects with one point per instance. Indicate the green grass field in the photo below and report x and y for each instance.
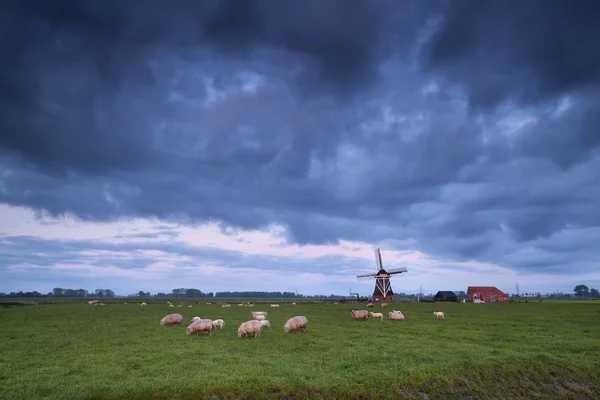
(480, 351)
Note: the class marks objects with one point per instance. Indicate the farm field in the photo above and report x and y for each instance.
(480, 351)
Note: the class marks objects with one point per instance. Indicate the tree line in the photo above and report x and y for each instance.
(581, 291)
(175, 293)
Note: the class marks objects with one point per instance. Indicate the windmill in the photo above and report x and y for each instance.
(383, 288)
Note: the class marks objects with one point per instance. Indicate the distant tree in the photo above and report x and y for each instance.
(581, 291)
(57, 292)
(594, 293)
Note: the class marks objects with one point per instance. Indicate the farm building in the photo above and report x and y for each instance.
(446, 295)
(489, 294)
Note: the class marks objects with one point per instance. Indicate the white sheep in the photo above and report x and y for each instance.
(360, 314)
(396, 316)
(255, 313)
(249, 328)
(172, 319)
(218, 323)
(376, 315)
(260, 317)
(143, 304)
(171, 305)
(196, 319)
(438, 315)
(295, 323)
(202, 325)
(265, 322)
(274, 305)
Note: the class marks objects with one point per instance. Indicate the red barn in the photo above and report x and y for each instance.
(489, 294)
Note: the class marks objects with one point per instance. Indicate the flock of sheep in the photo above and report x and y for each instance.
(393, 315)
(252, 327)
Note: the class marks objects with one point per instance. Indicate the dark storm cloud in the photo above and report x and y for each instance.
(313, 116)
(520, 51)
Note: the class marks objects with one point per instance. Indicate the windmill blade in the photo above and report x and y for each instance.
(378, 258)
(366, 277)
(397, 270)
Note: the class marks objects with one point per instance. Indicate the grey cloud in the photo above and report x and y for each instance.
(314, 118)
(511, 50)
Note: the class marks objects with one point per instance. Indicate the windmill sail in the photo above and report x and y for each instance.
(397, 270)
(378, 259)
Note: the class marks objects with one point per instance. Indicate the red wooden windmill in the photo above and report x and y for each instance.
(383, 288)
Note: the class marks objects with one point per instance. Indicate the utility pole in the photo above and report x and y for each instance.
(517, 290)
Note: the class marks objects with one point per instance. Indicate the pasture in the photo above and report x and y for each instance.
(479, 351)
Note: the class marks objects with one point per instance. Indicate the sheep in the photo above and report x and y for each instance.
(369, 304)
(265, 322)
(226, 305)
(438, 315)
(143, 304)
(260, 317)
(383, 305)
(249, 328)
(255, 313)
(376, 315)
(202, 325)
(396, 316)
(219, 323)
(293, 304)
(274, 305)
(172, 319)
(296, 323)
(196, 319)
(189, 306)
(171, 305)
(360, 314)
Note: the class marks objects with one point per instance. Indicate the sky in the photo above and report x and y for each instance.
(272, 146)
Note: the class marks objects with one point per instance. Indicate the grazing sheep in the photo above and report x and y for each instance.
(172, 319)
(360, 314)
(438, 315)
(396, 316)
(202, 325)
(296, 323)
(265, 322)
(189, 306)
(260, 317)
(383, 305)
(293, 304)
(376, 315)
(143, 304)
(369, 304)
(171, 305)
(274, 305)
(196, 319)
(255, 313)
(226, 305)
(249, 328)
(218, 323)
